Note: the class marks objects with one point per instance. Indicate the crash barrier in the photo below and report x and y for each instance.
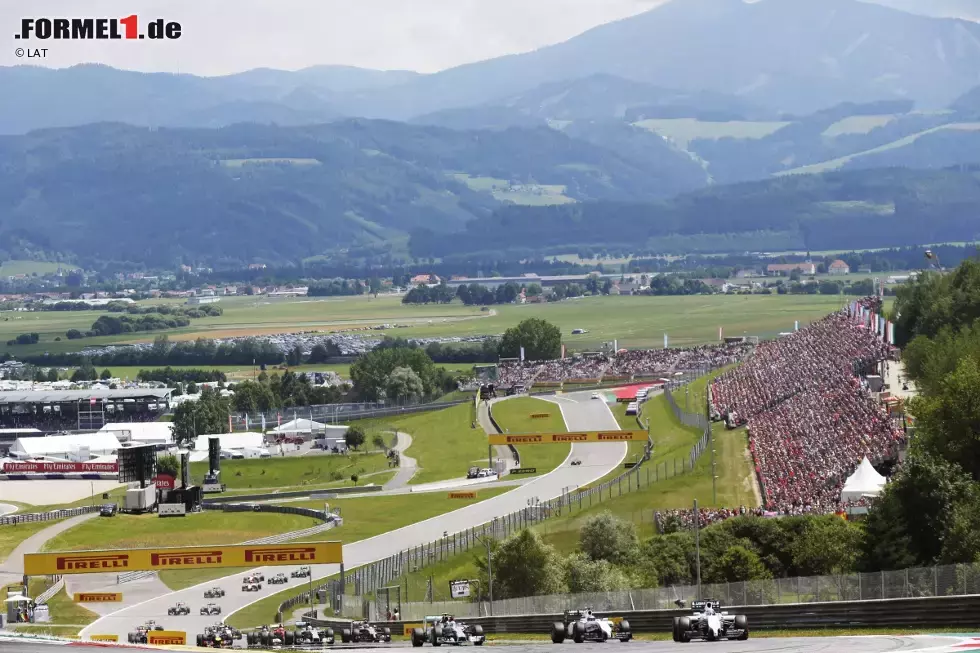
(513, 450)
(43, 597)
(933, 612)
(29, 517)
(332, 414)
(695, 420)
(266, 507)
(292, 494)
(947, 581)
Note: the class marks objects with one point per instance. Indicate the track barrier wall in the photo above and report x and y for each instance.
(29, 517)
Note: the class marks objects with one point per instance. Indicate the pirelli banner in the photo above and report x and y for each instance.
(518, 439)
(166, 638)
(98, 597)
(189, 557)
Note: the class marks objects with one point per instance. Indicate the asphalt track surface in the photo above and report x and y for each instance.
(869, 644)
(580, 413)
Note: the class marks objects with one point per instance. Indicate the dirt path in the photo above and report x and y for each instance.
(406, 466)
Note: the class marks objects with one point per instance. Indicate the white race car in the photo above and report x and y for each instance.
(711, 623)
(583, 626)
(211, 609)
(306, 634)
(248, 586)
(446, 630)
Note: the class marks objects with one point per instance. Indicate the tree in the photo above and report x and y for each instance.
(354, 437)
(739, 563)
(584, 574)
(534, 290)
(371, 371)
(826, 546)
(106, 375)
(524, 566)
(404, 383)
(52, 374)
(354, 478)
(607, 537)
(379, 442)
(541, 340)
(168, 464)
(208, 415)
(294, 357)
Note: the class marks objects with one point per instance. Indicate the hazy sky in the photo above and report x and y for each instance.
(225, 36)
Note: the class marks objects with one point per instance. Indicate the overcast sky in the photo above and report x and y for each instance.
(226, 36)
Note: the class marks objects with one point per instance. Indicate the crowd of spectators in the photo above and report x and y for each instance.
(59, 422)
(624, 364)
(810, 419)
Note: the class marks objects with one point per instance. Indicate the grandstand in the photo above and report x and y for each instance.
(53, 411)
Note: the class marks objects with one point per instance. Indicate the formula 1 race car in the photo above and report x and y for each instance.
(140, 636)
(251, 587)
(362, 631)
(180, 609)
(214, 593)
(307, 635)
(446, 630)
(211, 609)
(711, 623)
(576, 462)
(278, 579)
(302, 572)
(218, 636)
(274, 635)
(583, 626)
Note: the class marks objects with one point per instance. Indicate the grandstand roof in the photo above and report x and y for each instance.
(69, 396)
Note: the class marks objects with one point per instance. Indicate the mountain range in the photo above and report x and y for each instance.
(677, 102)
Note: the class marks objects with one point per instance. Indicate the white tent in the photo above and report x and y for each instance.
(145, 432)
(65, 446)
(864, 482)
(299, 426)
(230, 441)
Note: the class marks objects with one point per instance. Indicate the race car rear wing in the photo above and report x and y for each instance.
(701, 605)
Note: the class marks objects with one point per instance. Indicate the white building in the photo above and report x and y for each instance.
(231, 441)
(66, 447)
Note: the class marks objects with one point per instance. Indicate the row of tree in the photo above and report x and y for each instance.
(611, 556)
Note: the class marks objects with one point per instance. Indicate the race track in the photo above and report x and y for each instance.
(868, 644)
(580, 413)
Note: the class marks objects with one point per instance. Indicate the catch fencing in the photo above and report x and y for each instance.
(335, 413)
(31, 517)
(925, 582)
(695, 420)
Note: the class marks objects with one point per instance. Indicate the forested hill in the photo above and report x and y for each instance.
(842, 210)
(264, 193)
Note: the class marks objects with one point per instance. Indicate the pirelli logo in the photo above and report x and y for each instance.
(462, 495)
(271, 555)
(97, 597)
(185, 559)
(92, 562)
(104, 638)
(191, 557)
(567, 438)
(166, 638)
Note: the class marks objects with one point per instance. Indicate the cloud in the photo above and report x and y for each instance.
(226, 36)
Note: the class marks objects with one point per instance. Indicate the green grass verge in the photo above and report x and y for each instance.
(140, 531)
(514, 416)
(11, 536)
(444, 443)
(363, 518)
(69, 632)
(61, 607)
(294, 472)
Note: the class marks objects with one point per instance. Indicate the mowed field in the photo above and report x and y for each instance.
(634, 321)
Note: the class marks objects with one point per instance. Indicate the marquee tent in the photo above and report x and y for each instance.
(864, 482)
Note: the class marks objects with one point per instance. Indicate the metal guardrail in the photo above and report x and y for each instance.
(292, 494)
(265, 507)
(31, 517)
(932, 612)
(43, 597)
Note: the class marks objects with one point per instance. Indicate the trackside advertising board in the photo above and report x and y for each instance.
(97, 597)
(104, 638)
(188, 557)
(166, 638)
(33, 467)
(564, 438)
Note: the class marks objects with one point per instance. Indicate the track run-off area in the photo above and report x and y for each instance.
(580, 412)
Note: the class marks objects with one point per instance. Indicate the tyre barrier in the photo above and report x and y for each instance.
(928, 612)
